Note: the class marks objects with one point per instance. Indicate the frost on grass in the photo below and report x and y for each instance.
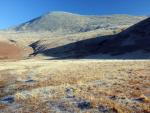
(89, 86)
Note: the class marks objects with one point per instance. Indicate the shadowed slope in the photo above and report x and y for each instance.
(73, 50)
(135, 38)
(132, 43)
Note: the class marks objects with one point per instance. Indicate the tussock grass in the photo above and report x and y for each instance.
(121, 87)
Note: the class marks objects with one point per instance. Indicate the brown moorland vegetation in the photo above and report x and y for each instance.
(9, 51)
(75, 86)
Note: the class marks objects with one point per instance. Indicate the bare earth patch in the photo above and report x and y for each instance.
(71, 86)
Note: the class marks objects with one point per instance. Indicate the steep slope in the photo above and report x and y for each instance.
(133, 43)
(63, 22)
(135, 38)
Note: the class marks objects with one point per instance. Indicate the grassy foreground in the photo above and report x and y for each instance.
(81, 86)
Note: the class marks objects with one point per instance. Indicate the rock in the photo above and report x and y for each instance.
(30, 81)
(7, 100)
(113, 97)
(142, 98)
(84, 105)
(70, 93)
(105, 109)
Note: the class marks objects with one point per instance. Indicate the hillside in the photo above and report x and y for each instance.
(13, 50)
(65, 23)
(134, 39)
(66, 35)
(8, 51)
(133, 43)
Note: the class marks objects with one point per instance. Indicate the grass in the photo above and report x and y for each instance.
(40, 86)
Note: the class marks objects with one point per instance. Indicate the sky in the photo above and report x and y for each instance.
(14, 12)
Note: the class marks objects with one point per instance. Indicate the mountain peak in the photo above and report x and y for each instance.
(65, 22)
(59, 12)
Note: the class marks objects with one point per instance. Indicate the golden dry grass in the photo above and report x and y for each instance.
(108, 86)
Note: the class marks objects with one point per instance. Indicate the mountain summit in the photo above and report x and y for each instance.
(64, 22)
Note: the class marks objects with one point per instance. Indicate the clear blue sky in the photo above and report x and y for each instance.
(13, 12)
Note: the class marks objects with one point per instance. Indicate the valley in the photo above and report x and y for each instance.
(62, 62)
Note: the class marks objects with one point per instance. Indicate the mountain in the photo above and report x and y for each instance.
(64, 22)
(84, 36)
(132, 43)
